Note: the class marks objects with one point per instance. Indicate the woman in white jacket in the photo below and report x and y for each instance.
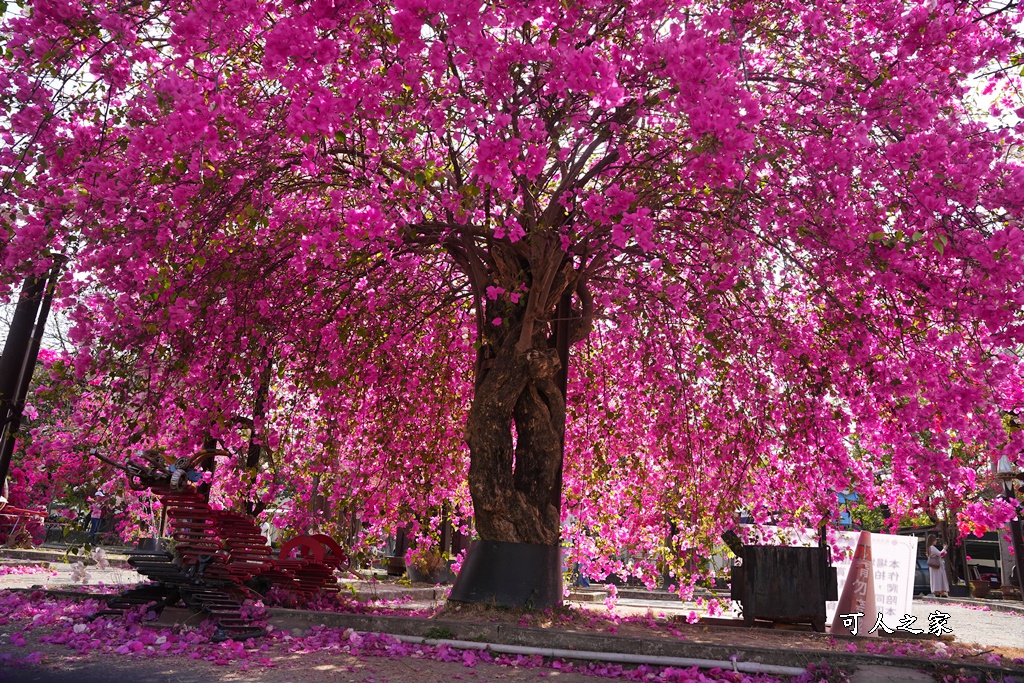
(937, 570)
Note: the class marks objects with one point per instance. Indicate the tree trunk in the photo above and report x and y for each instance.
(515, 482)
(259, 412)
(516, 431)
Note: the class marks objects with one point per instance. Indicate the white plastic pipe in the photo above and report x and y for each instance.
(618, 657)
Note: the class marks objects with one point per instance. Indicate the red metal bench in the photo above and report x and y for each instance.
(220, 557)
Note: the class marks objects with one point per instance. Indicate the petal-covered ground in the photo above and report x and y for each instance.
(38, 630)
(42, 633)
(25, 569)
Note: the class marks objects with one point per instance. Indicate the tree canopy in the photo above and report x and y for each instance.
(785, 237)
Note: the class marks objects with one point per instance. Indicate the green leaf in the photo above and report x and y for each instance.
(917, 236)
(939, 245)
(876, 236)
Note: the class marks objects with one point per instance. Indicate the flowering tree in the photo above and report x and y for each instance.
(784, 249)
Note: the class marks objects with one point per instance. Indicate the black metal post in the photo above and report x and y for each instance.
(19, 338)
(446, 528)
(562, 313)
(37, 338)
(18, 360)
(1016, 535)
(1018, 551)
(163, 521)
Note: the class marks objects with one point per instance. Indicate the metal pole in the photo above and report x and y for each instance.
(562, 313)
(163, 521)
(19, 338)
(28, 369)
(1016, 535)
(25, 379)
(1018, 551)
(13, 365)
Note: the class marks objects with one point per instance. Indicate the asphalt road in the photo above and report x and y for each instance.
(971, 624)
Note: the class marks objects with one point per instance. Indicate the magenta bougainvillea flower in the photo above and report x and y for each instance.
(782, 241)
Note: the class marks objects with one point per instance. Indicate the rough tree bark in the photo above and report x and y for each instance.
(516, 425)
(514, 483)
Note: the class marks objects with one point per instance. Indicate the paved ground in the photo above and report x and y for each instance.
(344, 669)
(970, 623)
(319, 667)
(60, 575)
(888, 674)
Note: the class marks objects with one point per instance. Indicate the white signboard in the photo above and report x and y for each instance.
(893, 558)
